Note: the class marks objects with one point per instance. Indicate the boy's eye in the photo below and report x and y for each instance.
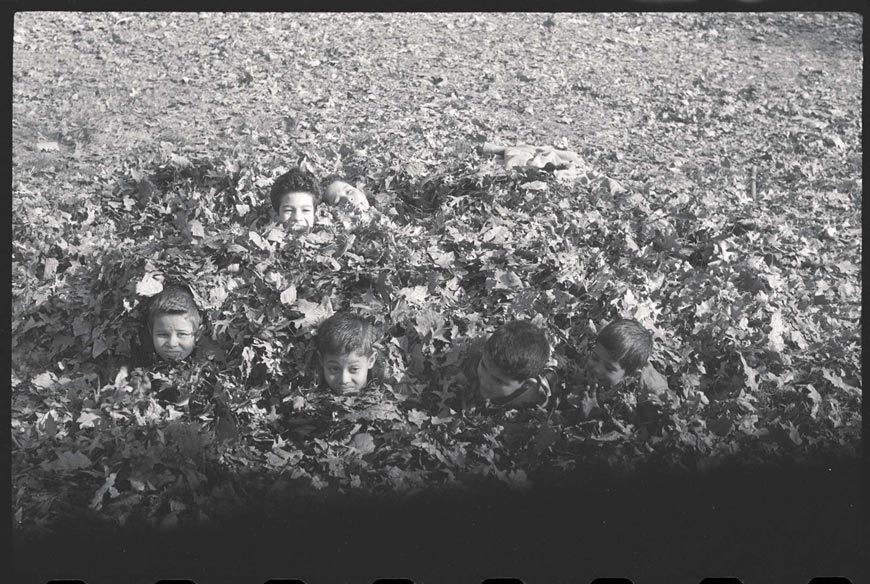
(354, 370)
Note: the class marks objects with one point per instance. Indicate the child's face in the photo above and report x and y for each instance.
(494, 382)
(174, 336)
(339, 192)
(603, 367)
(348, 372)
(297, 209)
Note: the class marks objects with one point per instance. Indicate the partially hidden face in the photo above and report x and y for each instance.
(297, 209)
(348, 372)
(174, 336)
(339, 192)
(604, 368)
(494, 382)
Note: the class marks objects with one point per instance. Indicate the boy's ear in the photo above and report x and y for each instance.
(371, 362)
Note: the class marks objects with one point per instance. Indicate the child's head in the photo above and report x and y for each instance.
(339, 192)
(345, 344)
(174, 323)
(622, 348)
(295, 195)
(513, 353)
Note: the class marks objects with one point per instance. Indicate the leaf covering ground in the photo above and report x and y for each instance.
(164, 167)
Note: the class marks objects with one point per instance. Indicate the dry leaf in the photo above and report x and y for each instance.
(148, 286)
(363, 443)
(196, 228)
(288, 296)
(69, 461)
(50, 268)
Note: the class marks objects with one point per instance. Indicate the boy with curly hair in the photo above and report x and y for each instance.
(295, 196)
(513, 367)
(345, 346)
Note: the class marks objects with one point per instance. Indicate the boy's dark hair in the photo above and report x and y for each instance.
(331, 178)
(344, 333)
(518, 348)
(174, 299)
(627, 342)
(295, 180)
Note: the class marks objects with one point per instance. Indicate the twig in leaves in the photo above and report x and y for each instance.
(752, 184)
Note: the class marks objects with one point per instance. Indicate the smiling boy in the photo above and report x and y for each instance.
(345, 344)
(295, 196)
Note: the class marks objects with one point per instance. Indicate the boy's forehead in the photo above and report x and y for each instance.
(602, 353)
(351, 358)
(176, 321)
(297, 198)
